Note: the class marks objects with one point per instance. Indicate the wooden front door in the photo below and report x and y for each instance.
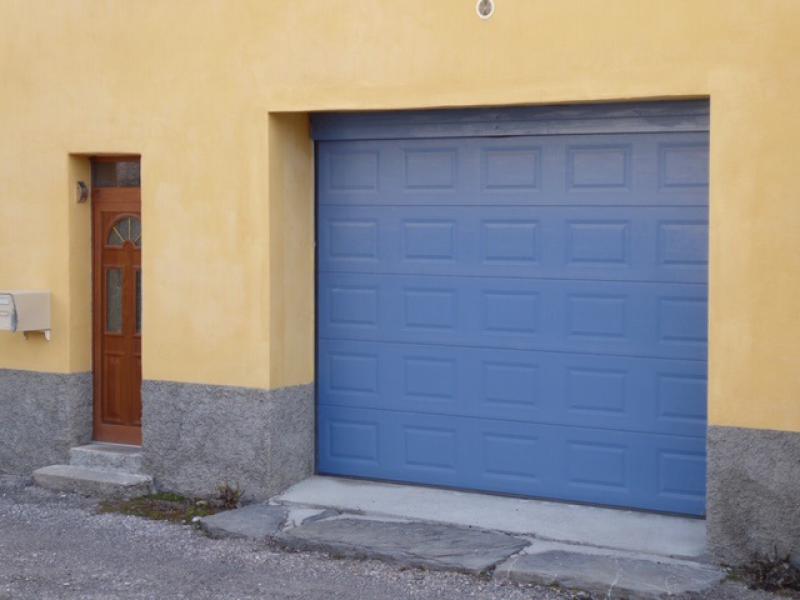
(117, 284)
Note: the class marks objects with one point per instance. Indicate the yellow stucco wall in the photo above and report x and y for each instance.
(214, 94)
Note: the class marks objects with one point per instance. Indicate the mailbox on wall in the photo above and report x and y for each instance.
(25, 311)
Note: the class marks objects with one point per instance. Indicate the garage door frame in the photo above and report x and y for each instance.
(617, 118)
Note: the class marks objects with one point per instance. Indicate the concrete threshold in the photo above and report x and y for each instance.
(626, 530)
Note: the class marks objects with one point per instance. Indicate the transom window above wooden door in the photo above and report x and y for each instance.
(116, 173)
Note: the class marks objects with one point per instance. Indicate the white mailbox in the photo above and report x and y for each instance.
(25, 311)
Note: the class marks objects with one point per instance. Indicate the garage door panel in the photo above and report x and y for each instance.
(585, 465)
(666, 244)
(615, 169)
(354, 441)
(659, 396)
(603, 317)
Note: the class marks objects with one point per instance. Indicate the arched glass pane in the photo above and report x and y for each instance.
(136, 232)
(127, 229)
(115, 237)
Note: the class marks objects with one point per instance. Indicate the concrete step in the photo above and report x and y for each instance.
(112, 457)
(91, 481)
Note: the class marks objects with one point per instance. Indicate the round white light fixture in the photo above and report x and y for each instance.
(485, 8)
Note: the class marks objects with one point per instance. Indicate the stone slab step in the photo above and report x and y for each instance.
(257, 522)
(408, 544)
(91, 481)
(260, 521)
(113, 457)
(608, 574)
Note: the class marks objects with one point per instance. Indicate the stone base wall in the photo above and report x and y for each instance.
(42, 415)
(197, 437)
(753, 494)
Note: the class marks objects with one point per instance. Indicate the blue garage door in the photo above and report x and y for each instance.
(516, 301)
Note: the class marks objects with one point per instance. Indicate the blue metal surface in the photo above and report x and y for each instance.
(521, 314)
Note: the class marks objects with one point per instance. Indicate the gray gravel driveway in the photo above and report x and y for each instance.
(56, 546)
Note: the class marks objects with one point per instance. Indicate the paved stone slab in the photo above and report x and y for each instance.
(300, 516)
(93, 482)
(434, 546)
(635, 531)
(328, 513)
(256, 521)
(608, 575)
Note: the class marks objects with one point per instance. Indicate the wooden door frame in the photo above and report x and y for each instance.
(126, 201)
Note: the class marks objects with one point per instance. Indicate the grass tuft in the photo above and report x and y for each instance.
(163, 506)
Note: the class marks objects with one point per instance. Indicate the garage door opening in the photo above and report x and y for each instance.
(515, 300)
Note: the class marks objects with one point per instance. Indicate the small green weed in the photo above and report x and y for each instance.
(229, 497)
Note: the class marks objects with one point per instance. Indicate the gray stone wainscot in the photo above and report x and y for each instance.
(753, 501)
(42, 415)
(197, 437)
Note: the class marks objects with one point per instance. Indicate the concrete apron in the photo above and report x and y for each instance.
(625, 530)
(602, 551)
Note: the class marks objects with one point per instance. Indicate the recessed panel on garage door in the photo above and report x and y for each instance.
(523, 313)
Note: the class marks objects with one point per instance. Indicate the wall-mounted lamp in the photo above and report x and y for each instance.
(485, 8)
(81, 192)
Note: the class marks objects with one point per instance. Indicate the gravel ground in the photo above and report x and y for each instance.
(56, 546)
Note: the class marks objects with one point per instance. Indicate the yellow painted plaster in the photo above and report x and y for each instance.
(227, 188)
(291, 250)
